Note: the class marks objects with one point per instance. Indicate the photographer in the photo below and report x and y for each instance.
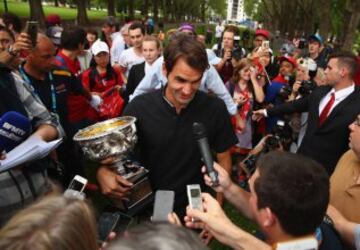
(225, 67)
(288, 199)
(279, 140)
(279, 89)
(303, 86)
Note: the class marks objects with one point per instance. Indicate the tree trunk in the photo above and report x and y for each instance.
(131, 8)
(324, 11)
(82, 18)
(156, 10)
(37, 12)
(145, 8)
(203, 10)
(111, 8)
(56, 3)
(353, 11)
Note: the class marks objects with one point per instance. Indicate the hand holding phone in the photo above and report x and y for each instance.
(76, 188)
(194, 197)
(265, 45)
(31, 29)
(163, 206)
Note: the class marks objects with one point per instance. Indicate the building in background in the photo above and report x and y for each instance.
(235, 11)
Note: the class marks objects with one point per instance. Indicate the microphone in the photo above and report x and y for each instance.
(200, 135)
(14, 129)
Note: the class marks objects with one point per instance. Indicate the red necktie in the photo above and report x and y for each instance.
(326, 110)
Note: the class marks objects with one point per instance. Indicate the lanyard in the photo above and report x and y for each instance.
(52, 88)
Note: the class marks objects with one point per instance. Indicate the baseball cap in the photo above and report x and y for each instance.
(262, 32)
(289, 59)
(316, 37)
(54, 33)
(52, 20)
(98, 47)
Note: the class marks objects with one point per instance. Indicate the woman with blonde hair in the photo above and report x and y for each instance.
(55, 222)
(245, 90)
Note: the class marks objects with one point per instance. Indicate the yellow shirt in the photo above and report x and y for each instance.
(345, 187)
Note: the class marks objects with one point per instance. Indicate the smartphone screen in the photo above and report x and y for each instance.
(265, 44)
(164, 203)
(106, 224)
(78, 183)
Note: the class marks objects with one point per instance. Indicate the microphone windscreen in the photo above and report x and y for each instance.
(199, 130)
(14, 129)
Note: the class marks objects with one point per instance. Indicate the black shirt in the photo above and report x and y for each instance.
(64, 83)
(166, 143)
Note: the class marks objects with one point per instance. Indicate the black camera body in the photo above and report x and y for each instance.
(284, 93)
(280, 136)
(306, 87)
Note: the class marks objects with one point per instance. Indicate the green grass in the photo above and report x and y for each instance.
(22, 10)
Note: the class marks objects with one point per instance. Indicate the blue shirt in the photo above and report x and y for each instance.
(210, 81)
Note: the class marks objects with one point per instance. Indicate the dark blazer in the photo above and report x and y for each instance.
(328, 142)
(136, 74)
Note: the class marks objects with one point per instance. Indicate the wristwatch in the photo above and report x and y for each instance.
(12, 51)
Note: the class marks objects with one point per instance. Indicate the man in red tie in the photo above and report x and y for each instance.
(331, 109)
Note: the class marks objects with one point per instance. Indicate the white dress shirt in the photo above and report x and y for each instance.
(340, 95)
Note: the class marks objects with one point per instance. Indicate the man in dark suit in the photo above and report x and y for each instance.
(331, 109)
(151, 49)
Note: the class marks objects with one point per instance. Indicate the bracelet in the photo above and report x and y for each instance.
(12, 52)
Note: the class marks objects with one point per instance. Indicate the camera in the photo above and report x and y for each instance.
(302, 43)
(285, 90)
(284, 93)
(306, 87)
(280, 138)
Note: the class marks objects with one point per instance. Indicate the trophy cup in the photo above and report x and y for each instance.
(117, 138)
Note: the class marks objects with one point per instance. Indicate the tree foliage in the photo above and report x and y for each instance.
(328, 17)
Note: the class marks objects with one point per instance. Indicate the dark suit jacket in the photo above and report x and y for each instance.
(328, 142)
(136, 74)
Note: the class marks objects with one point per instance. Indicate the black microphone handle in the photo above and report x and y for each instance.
(208, 160)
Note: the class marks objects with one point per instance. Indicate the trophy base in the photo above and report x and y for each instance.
(141, 194)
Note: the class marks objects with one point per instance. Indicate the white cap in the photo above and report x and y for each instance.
(98, 47)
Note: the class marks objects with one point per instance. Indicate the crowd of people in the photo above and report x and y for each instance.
(283, 126)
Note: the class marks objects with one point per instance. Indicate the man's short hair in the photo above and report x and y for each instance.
(232, 29)
(71, 38)
(186, 47)
(137, 25)
(12, 19)
(158, 237)
(295, 188)
(348, 60)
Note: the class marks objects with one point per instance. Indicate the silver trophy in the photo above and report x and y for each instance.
(117, 138)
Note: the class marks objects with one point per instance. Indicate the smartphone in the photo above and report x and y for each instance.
(194, 197)
(164, 204)
(78, 183)
(309, 243)
(31, 29)
(265, 44)
(107, 224)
